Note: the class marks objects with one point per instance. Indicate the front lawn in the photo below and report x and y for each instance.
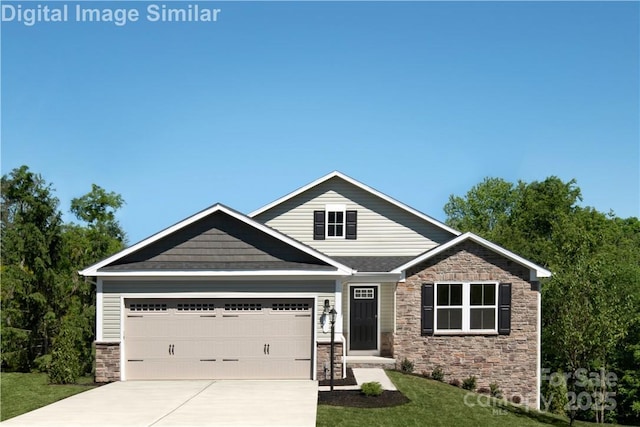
(436, 404)
(20, 393)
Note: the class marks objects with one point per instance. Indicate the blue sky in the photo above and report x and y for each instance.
(419, 100)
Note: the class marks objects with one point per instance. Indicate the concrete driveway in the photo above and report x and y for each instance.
(183, 403)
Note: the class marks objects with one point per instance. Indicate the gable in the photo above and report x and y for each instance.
(217, 240)
(468, 240)
(384, 227)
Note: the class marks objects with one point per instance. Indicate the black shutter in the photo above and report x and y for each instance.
(318, 225)
(427, 309)
(352, 222)
(504, 309)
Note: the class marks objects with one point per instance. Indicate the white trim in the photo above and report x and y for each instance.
(536, 270)
(539, 347)
(225, 274)
(335, 208)
(466, 308)
(362, 187)
(375, 352)
(216, 295)
(99, 311)
(93, 269)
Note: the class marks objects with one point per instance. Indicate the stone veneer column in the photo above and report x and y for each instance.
(107, 362)
(324, 356)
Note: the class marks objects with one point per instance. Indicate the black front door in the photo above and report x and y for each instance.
(363, 320)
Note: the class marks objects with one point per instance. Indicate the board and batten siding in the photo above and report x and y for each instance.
(383, 229)
(113, 290)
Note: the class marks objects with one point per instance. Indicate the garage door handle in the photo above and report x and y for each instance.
(267, 348)
(264, 350)
(171, 349)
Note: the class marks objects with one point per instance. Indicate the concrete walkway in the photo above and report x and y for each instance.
(183, 403)
(365, 375)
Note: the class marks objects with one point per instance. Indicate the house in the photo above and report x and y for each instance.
(227, 295)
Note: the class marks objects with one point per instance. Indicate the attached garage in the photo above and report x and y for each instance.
(216, 296)
(218, 339)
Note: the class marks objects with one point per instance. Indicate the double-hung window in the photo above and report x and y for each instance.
(335, 221)
(466, 307)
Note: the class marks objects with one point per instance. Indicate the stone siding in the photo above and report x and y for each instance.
(508, 360)
(324, 358)
(107, 362)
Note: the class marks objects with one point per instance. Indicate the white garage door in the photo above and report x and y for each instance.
(218, 339)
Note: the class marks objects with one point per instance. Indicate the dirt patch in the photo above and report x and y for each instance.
(356, 399)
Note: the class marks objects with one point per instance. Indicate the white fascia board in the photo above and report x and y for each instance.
(93, 270)
(362, 186)
(227, 274)
(535, 269)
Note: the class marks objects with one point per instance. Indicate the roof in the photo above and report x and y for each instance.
(534, 268)
(336, 174)
(370, 264)
(217, 240)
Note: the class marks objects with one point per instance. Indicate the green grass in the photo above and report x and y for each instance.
(20, 393)
(436, 404)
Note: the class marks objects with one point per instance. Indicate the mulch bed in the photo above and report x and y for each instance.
(357, 399)
(349, 380)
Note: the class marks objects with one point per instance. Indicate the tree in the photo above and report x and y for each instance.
(591, 305)
(44, 300)
(31, 240)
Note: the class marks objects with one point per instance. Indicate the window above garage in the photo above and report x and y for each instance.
(335, 222)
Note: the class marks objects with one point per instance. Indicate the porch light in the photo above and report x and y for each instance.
(326, 306)
(332, 318)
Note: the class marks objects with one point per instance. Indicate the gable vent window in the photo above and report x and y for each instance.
(335, 222)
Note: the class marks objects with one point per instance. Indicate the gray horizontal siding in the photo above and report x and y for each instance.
(218, 242)
(383, 228)
(113, 290)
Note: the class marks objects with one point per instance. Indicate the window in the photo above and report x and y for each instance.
(335, 222)
(466, 307)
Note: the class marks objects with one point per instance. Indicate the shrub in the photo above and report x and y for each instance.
(42, 363)
(438, 374)
(495, 390)
(372, 389)
(406, 366)
(66, 365)
(469, 383)
(455, 382)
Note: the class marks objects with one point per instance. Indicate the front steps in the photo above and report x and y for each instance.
(370, 362)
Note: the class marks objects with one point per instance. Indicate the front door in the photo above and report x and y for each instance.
(363, 319)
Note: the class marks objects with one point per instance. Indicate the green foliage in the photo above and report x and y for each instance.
(372, 389)
(406, 366)
(39, 262)
(66, 364)
(469, 383)
(494, 390)
(555, 398)
(437, 374)
(592, 302)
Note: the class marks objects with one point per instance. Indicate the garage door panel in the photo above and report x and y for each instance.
(215, 339)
